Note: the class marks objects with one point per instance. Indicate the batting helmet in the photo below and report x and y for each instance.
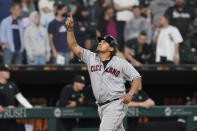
(109, 39)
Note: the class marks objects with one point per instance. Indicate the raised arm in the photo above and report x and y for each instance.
(72, 43)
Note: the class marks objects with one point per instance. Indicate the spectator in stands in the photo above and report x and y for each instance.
(141, 99)
(136, 25)
(107, 24)
(36, 42)
(181, 16)
(123, 14)
(71, 95)
(99, 8)
(188, 51)
(27, 6)
(158, 8)
(12, 36)
(85, 29)
(145, 10)
(137, 51)
(57, 36)
(10, 93)
(167, 39)
(5, 8)
(46, 10)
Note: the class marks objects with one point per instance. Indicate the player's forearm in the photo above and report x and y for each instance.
(71, 40)
(72, 44)
(134, 85)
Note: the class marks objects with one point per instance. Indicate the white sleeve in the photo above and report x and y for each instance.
(129, 72)
(23, 101)
(177, 36)
(86, 55)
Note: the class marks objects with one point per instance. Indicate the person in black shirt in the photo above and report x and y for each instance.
(2, 101)
(181, 16)
(139, 99)
(71, 95)
(137, 51)
(10, 90)
(9, 93)
(57, 36)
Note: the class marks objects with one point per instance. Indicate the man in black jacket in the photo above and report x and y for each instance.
(72, 95)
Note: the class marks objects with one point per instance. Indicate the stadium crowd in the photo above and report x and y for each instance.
(148, 31)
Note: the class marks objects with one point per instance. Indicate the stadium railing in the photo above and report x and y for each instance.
(54, 113)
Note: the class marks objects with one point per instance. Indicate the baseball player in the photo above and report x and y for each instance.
(108, 74)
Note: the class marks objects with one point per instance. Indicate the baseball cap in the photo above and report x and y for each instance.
(4, 67)
(109, 39)
(80, 78)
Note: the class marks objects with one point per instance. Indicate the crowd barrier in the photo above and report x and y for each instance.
(54, 113)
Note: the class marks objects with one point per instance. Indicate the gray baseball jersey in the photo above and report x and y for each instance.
(108, 83)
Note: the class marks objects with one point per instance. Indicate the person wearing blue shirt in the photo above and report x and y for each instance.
(57, 35)
(12, 36)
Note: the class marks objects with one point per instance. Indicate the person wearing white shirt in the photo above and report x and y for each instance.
(167, 39)
(46, 9)
(123, 14)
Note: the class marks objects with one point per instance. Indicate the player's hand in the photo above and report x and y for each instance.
(70, 23)
(126, 99)
(72, 104)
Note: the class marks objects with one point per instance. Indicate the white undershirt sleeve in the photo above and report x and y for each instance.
(23, 101)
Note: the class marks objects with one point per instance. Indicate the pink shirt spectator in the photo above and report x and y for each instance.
(111, 29)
